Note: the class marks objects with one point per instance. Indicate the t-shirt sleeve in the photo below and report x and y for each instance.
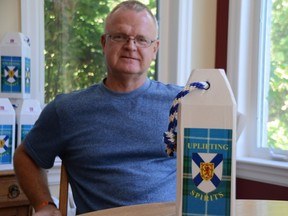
(42, 143)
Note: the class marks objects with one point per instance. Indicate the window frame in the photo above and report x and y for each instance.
(32, 25)
(243, 60)
(175, 59)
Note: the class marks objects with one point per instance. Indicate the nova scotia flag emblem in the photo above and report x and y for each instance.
(4, 143)
(207, 171)
(11, 74)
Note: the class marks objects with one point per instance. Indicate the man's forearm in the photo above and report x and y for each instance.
(32, 179)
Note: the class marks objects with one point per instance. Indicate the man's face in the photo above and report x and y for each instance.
(125, 58)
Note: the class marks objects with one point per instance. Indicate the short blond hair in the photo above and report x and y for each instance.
(135, 6)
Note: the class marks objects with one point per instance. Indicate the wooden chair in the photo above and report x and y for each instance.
(63, 194)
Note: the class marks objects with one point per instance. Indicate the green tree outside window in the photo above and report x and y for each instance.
(278, 84)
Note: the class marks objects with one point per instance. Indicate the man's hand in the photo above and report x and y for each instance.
(48, 210)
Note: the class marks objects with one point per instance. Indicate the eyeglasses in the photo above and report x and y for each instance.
(139, 41)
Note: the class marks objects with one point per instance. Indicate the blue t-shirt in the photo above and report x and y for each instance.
(110, 143)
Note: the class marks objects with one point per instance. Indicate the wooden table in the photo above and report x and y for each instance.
(243, 208)
(13, 201)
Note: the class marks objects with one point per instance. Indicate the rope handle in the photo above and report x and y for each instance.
(170, 136)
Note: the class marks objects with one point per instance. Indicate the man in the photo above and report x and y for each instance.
(109, 136)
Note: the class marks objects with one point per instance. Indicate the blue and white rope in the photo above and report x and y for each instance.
(170, 137)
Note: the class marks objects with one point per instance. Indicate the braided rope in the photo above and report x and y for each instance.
(170, 136)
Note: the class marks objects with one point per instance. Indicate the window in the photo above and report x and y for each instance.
(73, 53)
(274, 98)
(257, 69)
(250, 56)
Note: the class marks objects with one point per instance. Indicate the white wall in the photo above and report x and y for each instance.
(204, 33)
(10, 16)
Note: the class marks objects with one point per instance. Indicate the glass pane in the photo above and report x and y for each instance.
(73, 54)
(277, 76)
